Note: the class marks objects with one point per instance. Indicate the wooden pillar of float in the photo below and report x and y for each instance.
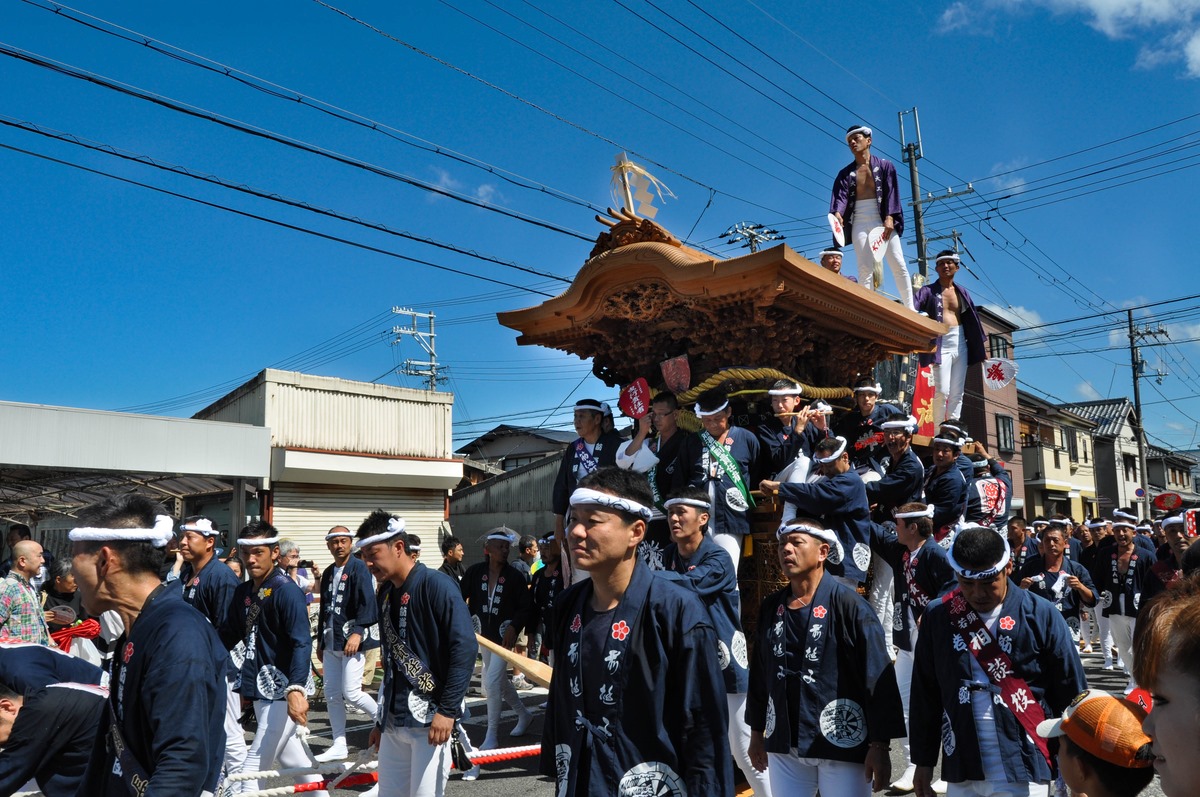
(643, 297)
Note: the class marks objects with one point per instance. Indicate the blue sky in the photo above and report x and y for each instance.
(1069, 117)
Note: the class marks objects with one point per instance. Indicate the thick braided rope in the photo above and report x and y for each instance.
(688, 420)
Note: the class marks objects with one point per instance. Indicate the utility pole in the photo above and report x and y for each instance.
(913, 152)
(1138, 366)
(426, 369)
(754, 235)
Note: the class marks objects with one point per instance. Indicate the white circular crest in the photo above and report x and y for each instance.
(651, 779)
(310, 685)
(504, 627)
(835, 555)
(769, 730)
(477, 624)
(420, 708)
(843, 723)
(722, 654)
(738, 649)
(735, 500)
(949, 740)
(272, 683)
(862, 556)
(1137, 599)
(1106, 599)
(346, 628)
(562, 767)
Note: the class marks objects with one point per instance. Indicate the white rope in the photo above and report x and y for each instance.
(324, 769)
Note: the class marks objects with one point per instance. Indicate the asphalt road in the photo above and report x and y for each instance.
(519, 778)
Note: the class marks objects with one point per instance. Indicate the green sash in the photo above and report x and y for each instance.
(721, 454)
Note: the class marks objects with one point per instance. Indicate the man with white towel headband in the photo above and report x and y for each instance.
(164, 731)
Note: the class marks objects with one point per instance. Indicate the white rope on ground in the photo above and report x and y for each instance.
(323, 769)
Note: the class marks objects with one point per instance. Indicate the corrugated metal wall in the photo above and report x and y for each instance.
(306, 512)
(519, 499)
(327, 421)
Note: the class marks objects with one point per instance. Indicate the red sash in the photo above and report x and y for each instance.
(1017, 695)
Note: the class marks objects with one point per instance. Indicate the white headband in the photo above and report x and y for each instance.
(1097, 523)
(820, 406)
(1056, 522)
(908, 424)
(696, 502)
(926, 512)
(1118, 513)
(946, 441)
(981, 575)
(394, 527)
(202, 526)
(826, 536)
(954, 428)
(876, 389)
(414, 547)
(841, 449)
(590, 404)
(343, 533)
(159, 536)
(501, 536)
(837, 252)
(583, 496)
(1176, 520)
(705, 413)
(955, 258)
(250, 542)
(786, 391)
(866, 131)
(1123, 524)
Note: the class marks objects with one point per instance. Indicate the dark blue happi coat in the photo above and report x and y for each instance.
(426, 613)
(1035, 637)
(167, 690)
(348, 607)
(711, 575)
(821, 680)
(930, 573)
(661, 722)
(279, 645)
(841, 503)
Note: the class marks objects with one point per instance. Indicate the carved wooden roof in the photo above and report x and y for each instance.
(632, 306)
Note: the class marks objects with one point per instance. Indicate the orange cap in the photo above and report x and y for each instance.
(1106, 727)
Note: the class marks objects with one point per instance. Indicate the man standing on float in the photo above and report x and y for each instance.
(865, 196)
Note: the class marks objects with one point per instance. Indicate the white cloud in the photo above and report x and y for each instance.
(1167, 30)
(1009, 182)
(957, 16)
(1087, 392)
(1027, 317)
(487, 193)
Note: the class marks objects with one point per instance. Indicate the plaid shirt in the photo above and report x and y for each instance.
(21, 615)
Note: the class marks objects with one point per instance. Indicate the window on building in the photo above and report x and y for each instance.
(1072, 445)
(998, 346)
(1057, 458)
(1131, 467)
(1005, 433)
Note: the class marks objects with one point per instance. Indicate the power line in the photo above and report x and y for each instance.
(293, 96)
(146, 160)
(542, 110)
(241, 127)
(276, 222)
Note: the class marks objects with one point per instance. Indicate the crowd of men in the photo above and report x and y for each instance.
(917, 610)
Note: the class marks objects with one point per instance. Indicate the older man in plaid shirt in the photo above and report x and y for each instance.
(21, 615)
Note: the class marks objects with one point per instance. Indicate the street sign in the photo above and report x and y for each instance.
(1140, 493)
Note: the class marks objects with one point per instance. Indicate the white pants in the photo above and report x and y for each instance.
(343, 683)
(1122, 637)
(235, 735)
(276, 740)
(409, 766)
(739, 745)
(499, 688)
(866, 218)
(802, 777)
(732, 545)
(1106, 637)
(904, 671)
(880, 597)
(950, 378)
(992, 788)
